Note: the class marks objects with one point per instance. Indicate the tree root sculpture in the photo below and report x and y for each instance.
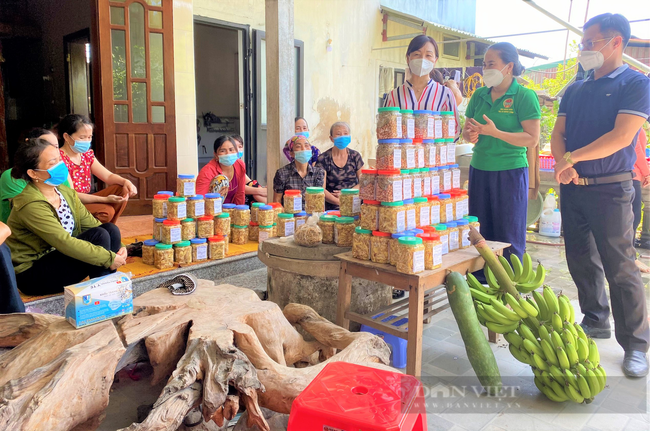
(218, 348)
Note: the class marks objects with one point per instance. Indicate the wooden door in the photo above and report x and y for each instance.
(136, 132)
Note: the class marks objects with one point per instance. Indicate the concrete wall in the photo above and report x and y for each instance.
(457, 14)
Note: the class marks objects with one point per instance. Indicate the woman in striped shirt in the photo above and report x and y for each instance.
(420, 92)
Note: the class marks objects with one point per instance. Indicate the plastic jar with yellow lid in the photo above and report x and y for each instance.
(292, 201)
(463, 228)
(159, 205)
(389, 123)
(183, 252)
(217, 246)
(148, 251)
(164, 256)
(441, 229)
(213, 204)
(432, 250)
(222, 224)
(379, 247)
(314, 200)
(350, 204)
(286, 225)
(326, 224)
(361, 244)
(186, 185)
(434, 174)
(188, 229)
(195, 206)
(199, 249)
(422, 211)
(389, 185)
(407, 184)
(171, 232)
(370, 215)
(454, 236)
(411, 257)
(254, 209)
(157, 228)
(409, 209)
(265, 232)
(446, 208)
(239, 234)
(392, 217)
(344, 231)
(408, 124)
(176, 208)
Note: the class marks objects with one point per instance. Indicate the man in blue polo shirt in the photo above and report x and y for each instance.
(593, 144)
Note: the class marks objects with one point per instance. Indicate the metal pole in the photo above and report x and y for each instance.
(566, 43)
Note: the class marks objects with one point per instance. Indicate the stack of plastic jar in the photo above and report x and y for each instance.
(408, 124)
(188, 229)
(437, 125)
(392, 217)
(186, 185)
(409, 154)
(286, 225)
(222, 224)
(213, 204)
(367, 184)
(183, 252)
(426, 181)
(454, 243)
(196, 206)
(344, 231)
(422, 212)
(254, 208)
(434, 201)
(217, 246)
(422, 124)
(434, 174)
(300, 218)
(409, 208)
(199, 249)
(463, 228)
(315, 200)
(361, 244)
(148, 251)
(292, 201)
(389, 123)
(446, 208)
(160, 205)
(176, 208)
(441, 229)
(379, 247)
(451, 151)
(326, 224)
(350, 204)
(407, 184)
(441, 152)
(164, 256)
(432, 250)
(171, 232)
(389, 154)
(389, 185)
(429, 146)
(448, 125)
(370, 215)
(417, 182)
(411, 258)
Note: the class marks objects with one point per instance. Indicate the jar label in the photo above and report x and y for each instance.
(438, 127)
(401, 221)
(410, 129)
(443, 155)
(408, 188)
(165, 209)
(435, 214)
(437, 255)
(465, 239)
(399, 126)
(289, 228)
(336, 235)
(435, 185)
(182, 210)
(356, 204)
(459, 210)
(262, 236)
(453, 241)
(426, 186)
(418, 261)
(424, 216)
(299, 222)
(446, 181)
(432, 155)
(199, 208)
(410, 219)
(410, 158)
(430, 128)
(449, 212)
(452, 127)
(451, 153)
(202, 251)
(420, 157)
(417, 187)
(397, 159)
(189, 188)
(445, 243)
(456, 178)
(297, 203)
(175, 234)
(397, 190)
(217, 206)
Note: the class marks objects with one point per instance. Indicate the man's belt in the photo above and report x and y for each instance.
(617, 178)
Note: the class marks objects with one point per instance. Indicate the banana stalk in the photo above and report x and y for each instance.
(492, 261)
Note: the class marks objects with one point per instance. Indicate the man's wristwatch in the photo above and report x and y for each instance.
(567, 158)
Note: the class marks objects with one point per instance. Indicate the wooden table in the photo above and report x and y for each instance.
(426, 296)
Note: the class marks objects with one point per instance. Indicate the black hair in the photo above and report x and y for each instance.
(301, 118)
(222, 140)
(70, 124)
(419, 41)
(508, 54)
(612, 22)
(436, 75)
(237, 138)
(37, 132)
(27, 157)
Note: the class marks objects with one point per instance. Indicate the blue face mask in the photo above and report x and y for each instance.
(228, 159)
(240, 154)
(58, 174)
(81, 146)
(305, 134)
(303, 156)
(341, 142)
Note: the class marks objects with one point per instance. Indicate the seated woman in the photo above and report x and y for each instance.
(10, 301)
(254, 192)
(342, 165)
(299, 174)
(301, 128)
(75, 134)
(55, 241)
(224, 174)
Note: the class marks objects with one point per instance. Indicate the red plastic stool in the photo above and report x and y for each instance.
(353, 397)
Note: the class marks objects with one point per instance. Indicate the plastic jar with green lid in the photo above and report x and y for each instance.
(286, 225)
(434, 201)
(350, 204)
(148, 251)
(217, 247)
(292, 201)
(314, 200)
(369, 217)
(196, 206)
(344, 231)
(222, 224)
(407, 184)
(473, 221)
(361, 244)
(176, 208)
(188, 229)
(159, 204)
(265, 232)
(186, 185)
(394, 247)
(411, 258)
(422, 124)
(426, 181)
(434, 174)
(392, 217)
(409, 209)
(408, 123)
(199, 249)
(163, 256)
(213, 203)
(454, 236)
(441, 152)
(254, 208)
(451, 151)
(389, 123)
(432, 250)
(379, 247)
(183, 252)
(441, 229)
(239, 234)
(417, 182)
(422, 211)
(448, 124)
(326, 224)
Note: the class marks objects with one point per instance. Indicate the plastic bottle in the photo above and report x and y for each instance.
(550, 223)
(550, 203)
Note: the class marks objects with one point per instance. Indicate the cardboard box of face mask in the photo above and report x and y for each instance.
(98, 299)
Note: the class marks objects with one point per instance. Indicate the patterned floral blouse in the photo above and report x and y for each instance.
(340, 178)
(80, 174)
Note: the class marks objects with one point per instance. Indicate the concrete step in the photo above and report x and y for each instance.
(212, 270)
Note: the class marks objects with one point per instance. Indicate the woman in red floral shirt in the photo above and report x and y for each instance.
(75, 134)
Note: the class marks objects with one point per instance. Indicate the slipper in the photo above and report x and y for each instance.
(183, 284)
(645, 269)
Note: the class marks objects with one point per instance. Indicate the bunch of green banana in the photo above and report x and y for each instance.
(526, 280)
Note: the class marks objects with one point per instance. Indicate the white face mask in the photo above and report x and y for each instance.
(592, 59)
(421, 66)
(493, 77)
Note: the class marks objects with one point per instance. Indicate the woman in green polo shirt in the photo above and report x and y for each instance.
(503, 121)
